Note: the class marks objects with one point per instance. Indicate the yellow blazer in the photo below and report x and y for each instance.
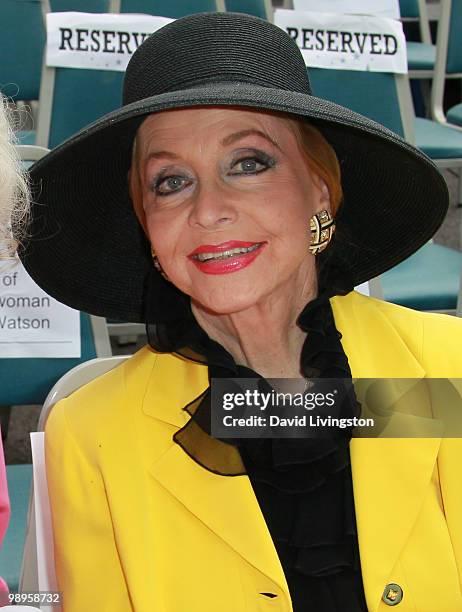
(139, 526)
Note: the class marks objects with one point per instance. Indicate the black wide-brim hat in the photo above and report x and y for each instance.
(86, 247)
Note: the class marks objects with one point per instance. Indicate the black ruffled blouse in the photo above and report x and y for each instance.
(303, 486)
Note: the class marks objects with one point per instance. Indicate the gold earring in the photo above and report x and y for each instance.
(157, 265)
(322, 227)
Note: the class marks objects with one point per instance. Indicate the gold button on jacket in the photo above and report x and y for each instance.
(140, 527)
(392, 594)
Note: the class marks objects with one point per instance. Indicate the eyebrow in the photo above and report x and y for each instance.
(243, 133)
(230, 139)
(161, 154)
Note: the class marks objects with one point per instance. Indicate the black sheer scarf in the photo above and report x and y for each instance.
(303, 486)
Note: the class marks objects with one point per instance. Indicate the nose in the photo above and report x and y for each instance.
(212, 208)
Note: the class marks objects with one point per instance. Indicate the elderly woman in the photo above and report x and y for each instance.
(14, 203)
(238, 176)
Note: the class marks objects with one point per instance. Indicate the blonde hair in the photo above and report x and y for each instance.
(14, 189)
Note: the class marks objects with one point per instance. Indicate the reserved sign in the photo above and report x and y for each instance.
(380, 8)
(97, 41)
(346, 42)
(33, 324)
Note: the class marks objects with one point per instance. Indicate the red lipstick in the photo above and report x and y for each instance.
(226, 257)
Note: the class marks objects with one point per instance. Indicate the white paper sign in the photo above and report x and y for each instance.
(346, 42)
(33, 324)
(97, 41)
(380, 8)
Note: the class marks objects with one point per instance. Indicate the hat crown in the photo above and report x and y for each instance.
(215, 47)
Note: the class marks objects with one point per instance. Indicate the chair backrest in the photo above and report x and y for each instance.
(72, 380)
(167, 8)
(383, 97)
(448, 54)
(28, 381)
(454, 51)
(41, 531)
(416, 10)
(409, 9)
(28, 154)
(84, 6)
(22, 39)
(257, 8)
(31, 153)
(72, 98)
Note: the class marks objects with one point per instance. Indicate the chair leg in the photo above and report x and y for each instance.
(5, 413)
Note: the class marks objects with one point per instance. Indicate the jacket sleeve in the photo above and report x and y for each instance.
(88, 570)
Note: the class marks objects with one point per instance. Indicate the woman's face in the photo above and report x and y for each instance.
(227, 197)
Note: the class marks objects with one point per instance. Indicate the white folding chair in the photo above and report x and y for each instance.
(372, 287)
(37, 572)
(29, 154)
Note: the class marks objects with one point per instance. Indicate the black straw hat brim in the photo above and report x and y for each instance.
(87, 249)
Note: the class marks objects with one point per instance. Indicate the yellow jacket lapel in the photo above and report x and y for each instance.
(390, 475)
(226, 504)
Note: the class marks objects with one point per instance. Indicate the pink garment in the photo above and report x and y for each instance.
(4, 508)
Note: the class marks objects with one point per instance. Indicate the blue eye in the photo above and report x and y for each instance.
(252, 164)
(165, 185)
